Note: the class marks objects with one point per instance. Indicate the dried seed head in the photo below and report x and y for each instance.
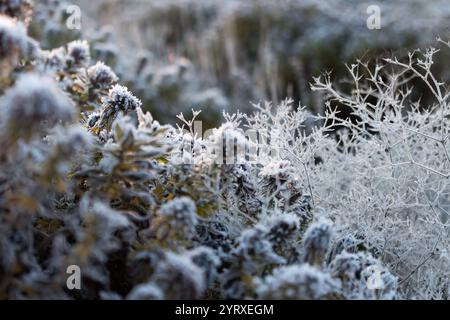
(120, 98)
(101, 76)
(179, 278)
(79, 53)
(147, 291)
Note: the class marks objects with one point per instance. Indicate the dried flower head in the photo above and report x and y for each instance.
(101, 76)
(281, 228)
(14, 44)
(119, 100)
(147, 291)
(78, 53)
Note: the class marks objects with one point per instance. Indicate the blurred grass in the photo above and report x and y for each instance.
(255, 49)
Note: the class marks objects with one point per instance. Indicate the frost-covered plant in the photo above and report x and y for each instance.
(363, 277)
(15, 45)
(101, 76)
(389, 168)
(298, 207)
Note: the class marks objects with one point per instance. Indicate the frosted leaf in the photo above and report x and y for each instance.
(102, 216)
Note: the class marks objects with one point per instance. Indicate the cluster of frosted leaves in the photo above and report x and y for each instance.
(88, 178)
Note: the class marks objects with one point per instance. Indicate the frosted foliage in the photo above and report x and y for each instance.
(274, 204)
(297, 282)
(317, 241)
(385, 181)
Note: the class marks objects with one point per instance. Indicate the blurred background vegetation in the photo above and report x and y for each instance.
(219, 55)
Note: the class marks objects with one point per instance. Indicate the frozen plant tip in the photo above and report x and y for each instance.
(119, 100)
(79, 53)
(101, 76)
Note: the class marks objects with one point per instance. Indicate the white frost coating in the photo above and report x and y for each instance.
(109, 217)
(277, 169)
(121, 98)
(147, 291)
